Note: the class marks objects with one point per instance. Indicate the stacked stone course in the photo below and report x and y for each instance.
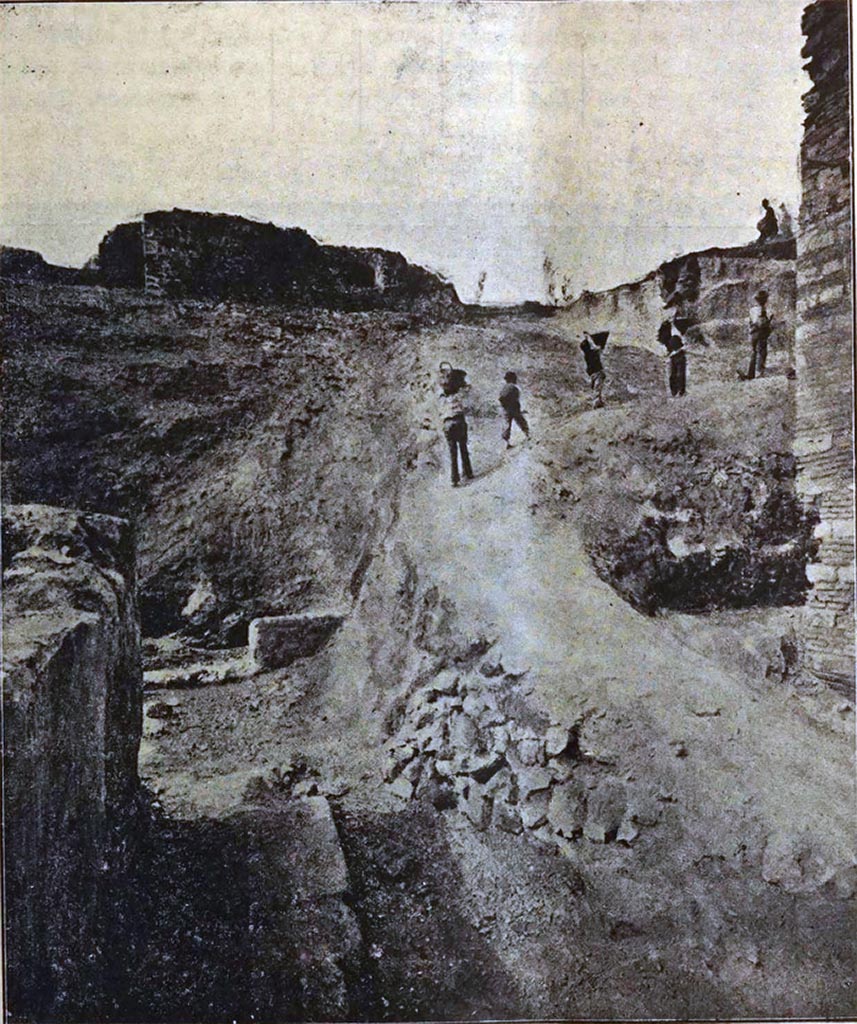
(824, 346)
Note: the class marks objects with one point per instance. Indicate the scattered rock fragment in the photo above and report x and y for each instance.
(567, 809)
(534, 809)
(402, 788)
(605, 811)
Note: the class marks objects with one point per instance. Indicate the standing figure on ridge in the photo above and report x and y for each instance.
(453, 415)
(760, 330)
(786, 224)
(767, 226)
(671, 336)
(510, 400)
(592, 346)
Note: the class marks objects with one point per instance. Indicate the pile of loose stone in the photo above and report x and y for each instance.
(468, 740)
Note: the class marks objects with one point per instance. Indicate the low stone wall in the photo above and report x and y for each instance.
(72, 723)
(824, 347)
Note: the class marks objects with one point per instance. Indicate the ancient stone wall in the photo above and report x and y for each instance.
(182, 253)
(824, 345)
(72, 721)
(120, 257)
(216, 256)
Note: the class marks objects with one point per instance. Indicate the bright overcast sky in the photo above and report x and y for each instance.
(471, 137)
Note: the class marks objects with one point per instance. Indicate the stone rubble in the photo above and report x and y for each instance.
(467, 741)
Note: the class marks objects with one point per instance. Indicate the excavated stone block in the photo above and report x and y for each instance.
(463, 734)
(533, 780)
(72, 716)
(278, 640)
(531, 751)
(507, 817)
(557, 739)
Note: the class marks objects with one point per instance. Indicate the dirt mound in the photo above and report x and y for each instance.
(691, 505)
(249, 445)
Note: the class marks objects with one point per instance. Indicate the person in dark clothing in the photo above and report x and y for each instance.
(592, 346)
(510, 400)
(453, 410)
(671, 337)
(760, 331)
(767, 226)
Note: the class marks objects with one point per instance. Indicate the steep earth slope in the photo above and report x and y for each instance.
(578, 810)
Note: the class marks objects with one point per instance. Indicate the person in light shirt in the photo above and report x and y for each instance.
(453, 409)
(760, 330)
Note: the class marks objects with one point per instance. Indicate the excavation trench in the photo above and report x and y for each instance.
(510, 756)
(498, 790)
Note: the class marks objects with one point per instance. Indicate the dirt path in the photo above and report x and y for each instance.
(743, 755)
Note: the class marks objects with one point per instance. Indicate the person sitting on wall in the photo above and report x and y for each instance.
(767, 226)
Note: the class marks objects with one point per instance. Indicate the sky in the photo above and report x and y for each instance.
(475, 138)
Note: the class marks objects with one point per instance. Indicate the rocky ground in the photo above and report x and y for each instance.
(531, 783)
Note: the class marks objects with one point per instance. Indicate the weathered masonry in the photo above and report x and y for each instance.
(824, 345)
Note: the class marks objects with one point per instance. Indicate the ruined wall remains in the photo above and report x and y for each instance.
(31, 267)
(120, 257)
(72, 723)
(824, 345)
(182, 253)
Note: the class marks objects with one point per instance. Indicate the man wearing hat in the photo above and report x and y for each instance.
(760, 330)
(452, 407)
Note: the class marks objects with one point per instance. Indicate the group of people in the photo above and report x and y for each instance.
(671, 334)
(453, 416)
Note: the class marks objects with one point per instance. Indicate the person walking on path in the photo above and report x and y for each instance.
(453, 415)
(760, 331)
(671, 337)
(510, 400)
(592, 346)
(767, 226)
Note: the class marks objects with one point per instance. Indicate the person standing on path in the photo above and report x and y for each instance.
(592, 346)
(760, 330)
(453, 415)
(510, 400)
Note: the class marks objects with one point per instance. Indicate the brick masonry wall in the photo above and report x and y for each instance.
(824, 347)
